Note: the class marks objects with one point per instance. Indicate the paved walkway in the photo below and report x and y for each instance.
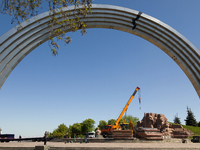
(104, 145)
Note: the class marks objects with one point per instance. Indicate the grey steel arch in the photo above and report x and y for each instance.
(14, 46)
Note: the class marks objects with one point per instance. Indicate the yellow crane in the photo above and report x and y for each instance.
(108, 128)
(117, 125)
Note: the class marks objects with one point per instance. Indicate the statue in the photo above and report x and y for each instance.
(153, 120)
(160, 122)
(98, 132)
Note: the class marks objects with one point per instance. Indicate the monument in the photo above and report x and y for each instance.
(156, 126)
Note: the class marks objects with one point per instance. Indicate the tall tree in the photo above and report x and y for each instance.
(198, 124)
(60, 131)
(177, 120)
(111, 121)
(121, 120)
(131, 118)
(22, 10)
(75, 129)
(102, 123)
(87, 125)
(190, 119)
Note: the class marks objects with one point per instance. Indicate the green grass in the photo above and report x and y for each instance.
(196, 130)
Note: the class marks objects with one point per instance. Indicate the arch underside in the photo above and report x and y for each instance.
(14, 46)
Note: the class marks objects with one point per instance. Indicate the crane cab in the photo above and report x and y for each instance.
(125, 126)
(105, 130)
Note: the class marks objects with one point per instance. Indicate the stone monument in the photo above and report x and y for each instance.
(160, 123)
(153, 120)
(98, 133)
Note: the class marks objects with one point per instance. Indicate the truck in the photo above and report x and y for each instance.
(105, 130)
(91, 134)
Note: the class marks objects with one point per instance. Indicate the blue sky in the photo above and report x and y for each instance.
(94, 76)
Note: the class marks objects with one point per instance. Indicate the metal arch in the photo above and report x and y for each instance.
(14, 46)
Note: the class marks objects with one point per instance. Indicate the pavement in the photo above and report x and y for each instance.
(106, 145)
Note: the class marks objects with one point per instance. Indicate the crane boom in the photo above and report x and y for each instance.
(125, 108)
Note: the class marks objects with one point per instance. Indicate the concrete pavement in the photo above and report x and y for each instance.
(114, 146)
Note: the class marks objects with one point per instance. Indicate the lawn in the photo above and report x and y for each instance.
(196, 130)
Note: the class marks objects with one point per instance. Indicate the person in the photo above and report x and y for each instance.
(85, 139)
(20, 137)
(67, 138)
(74, 138)
(45, 137)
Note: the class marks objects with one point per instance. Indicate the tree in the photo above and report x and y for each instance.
(60, 131)
(121, 120)
(131, 118)
(177, 120)
(75, 129)
(62, 128)
(198, 124)
(22, 10)
(87, 125)
(102, 123)
(190, 119)
(111, 121)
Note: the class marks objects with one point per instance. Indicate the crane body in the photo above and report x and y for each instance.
(108, 128)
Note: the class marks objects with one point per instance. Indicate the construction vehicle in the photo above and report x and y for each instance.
(107, 129)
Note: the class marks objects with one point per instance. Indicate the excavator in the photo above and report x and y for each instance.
(105, 130)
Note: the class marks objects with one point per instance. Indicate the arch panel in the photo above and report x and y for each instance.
(14, 46)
